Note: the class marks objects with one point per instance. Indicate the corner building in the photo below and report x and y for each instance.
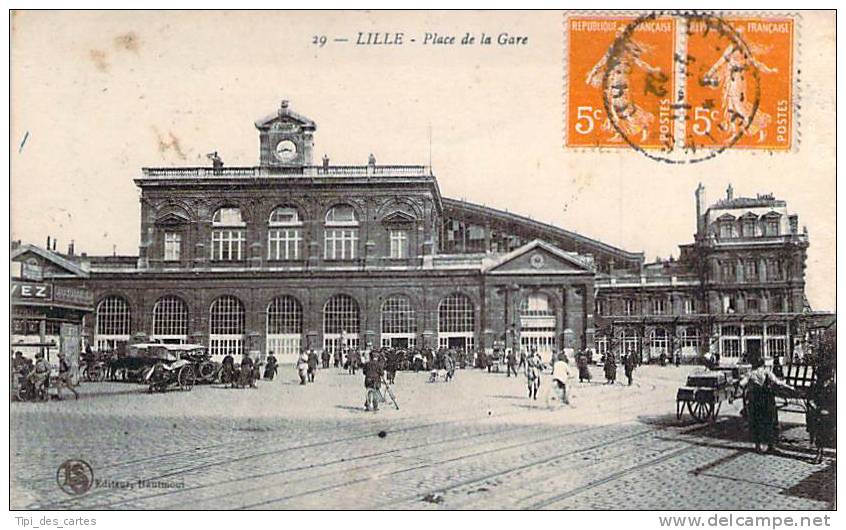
(288, 254)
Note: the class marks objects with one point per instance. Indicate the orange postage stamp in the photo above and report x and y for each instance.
(620, 91)
(739, 87)
(680, 87)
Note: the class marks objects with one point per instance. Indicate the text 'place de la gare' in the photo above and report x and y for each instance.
(290, 254)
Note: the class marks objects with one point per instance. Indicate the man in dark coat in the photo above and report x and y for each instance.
(246, 373)
(325, 358)
(391, 364)
(312, 365)
(610, 368)
(511, 364)
(373, 370)
(582, 364)
(271, 367)
(629, 366)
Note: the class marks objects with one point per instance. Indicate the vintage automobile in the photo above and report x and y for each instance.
(167, 366)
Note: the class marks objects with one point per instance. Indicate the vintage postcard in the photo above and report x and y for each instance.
(422, 260)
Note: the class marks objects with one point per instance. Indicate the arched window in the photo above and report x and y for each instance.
(537, 324)
(170, 320)
(340, 323)
(113, 323)
(284, 326)
(226, 326)
(284, 234)
(399, 323)
(341, 233)
(228, 235)
(456, 322)
(630, 342)
(659, 342)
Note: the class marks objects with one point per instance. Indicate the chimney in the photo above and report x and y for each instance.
(70, 248)
(55, 240)
(283, 108)
(729, 193)
(48, 242)
(371, 160)
(700, 209)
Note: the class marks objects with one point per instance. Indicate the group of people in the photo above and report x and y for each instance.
(35, 376)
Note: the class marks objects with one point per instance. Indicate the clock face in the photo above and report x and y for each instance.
(286, 150)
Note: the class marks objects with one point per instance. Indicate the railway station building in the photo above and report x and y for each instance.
(291, 254)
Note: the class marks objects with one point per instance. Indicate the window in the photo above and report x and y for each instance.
(753, 305)
(537, 324)
(689, 305)
(599, 306)
(172, 246)
(727, 271)
(226, 327)
(456, 322)
(601, 342)
(398, 321)
(112, 324)
(751, 269)
(659, 340)
(727, 229)
(630, 342)
(170, 320)
(228, 235)
(690, 338)
(748, 227)
(284, 234)
(774, 269)
(341, 233)
(340, 323)
(629, 307)
(729, 303)
(284, 326)
(771, 226)
(659, 306)
(730, 341)
(399, 243)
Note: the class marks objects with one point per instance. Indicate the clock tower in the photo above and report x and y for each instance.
(286, 139)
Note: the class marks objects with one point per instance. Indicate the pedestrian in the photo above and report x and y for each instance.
(510, 363)
(245, 374)
(677, 357)
(325, 358)
(533, 374)
(449, 366)
(417, 361)
(373, 370)
(522, 363)
(65, 380)
(302, 366)
(312, 365)
(761, 412)
(560, 376)
(336, 358)
(391, 365)
(610, 368)
(821, 412)
(256, 375)
(629, 366)
(271, 367)
(582, 364)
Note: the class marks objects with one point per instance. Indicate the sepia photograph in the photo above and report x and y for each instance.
(423, 260)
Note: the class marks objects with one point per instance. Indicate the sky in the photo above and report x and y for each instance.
(96, 96)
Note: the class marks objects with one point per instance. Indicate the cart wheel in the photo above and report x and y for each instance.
(716, 410)
(700, 411)
(185, 377)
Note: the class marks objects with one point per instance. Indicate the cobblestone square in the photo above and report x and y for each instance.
(474, 443)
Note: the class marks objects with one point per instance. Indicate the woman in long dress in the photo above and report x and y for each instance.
(761, 412)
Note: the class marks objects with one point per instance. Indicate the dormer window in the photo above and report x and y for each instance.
(748, 227)
(727, 229)
(771, 227)
(228, 235)
(341, 233)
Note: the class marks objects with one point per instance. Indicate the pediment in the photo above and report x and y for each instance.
(172, 218)
(285, 120)
(726, 217)
(398, 217)
(539, 257)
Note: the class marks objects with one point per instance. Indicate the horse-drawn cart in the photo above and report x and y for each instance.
(705, 391)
